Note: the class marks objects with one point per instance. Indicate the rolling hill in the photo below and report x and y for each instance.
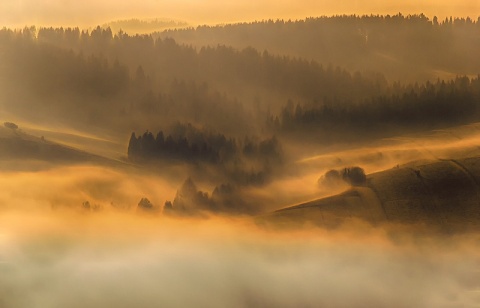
(17, 146)
(443, 193)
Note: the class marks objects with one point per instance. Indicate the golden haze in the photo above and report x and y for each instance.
(88, 13)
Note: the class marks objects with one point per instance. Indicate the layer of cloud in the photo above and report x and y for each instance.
(124, 261)
(66, 257)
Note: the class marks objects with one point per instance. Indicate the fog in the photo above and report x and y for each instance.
(67, 256)
(323, 161)
(151, 263)
(56, 252)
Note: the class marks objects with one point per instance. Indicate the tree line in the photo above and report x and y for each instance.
(124, 83)
(188, 143)
(223, 67)
(404, 47)
(247, 160)
(45, 81)
(413, 107)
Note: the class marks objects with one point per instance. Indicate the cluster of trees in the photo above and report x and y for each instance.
(245, 161)
(203, 148)
(354, 176)
(413, 107)
(225, 198)
(401, 46)
(188, 143)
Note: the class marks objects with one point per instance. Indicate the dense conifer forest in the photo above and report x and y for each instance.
(122, 83)
(436, 48)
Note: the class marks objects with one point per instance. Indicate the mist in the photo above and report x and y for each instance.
(239, 154)
(54, 251)
(91, 13)
(67, 256)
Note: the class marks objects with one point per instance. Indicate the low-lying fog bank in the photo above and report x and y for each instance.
(65, 259)
(54, 252)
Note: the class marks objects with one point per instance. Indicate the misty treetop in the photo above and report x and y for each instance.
(222, 66)
(188, 143)
(45, 81)
(133, 82)
(245, 161)
(119, 83)
(403, 47)
(225, 198)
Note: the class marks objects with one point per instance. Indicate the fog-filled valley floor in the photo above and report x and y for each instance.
(77, 260)
(309, 163)
(58, 250)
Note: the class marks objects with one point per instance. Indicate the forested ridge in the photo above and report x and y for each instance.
(403, 47)
(221, 66)
(408, 108)
(124, 83)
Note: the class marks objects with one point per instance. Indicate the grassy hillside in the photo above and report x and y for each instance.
(444, 193)
(17, 146)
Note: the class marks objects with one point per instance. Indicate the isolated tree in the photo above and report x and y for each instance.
(355, 176)
(10, 125)
(145, 204)
(86, 205)
(331, 178)
(168, 207)
(133, 146)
